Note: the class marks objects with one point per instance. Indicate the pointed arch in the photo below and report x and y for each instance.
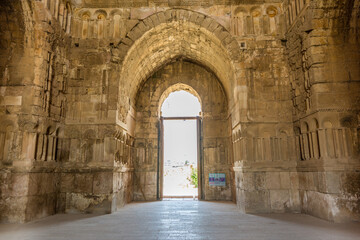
(167, 36)
(175, 88)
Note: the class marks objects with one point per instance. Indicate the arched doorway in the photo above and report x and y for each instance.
(150, 66)
(215, 147)
(180, 158)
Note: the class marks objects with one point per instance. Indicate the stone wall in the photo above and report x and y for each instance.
(76, 117)
(216, 148)
(323, 53)
(96, 171)
(96, 150)
(166, 3)
(264, 146)
(34, 64)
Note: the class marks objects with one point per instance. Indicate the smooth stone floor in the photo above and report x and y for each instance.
(180, 220)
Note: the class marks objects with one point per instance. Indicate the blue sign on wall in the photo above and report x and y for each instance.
(217, 179)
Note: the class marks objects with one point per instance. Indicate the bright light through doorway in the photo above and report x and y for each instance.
(180, 145)
(181, 104)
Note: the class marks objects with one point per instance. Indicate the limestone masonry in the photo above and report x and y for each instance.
(82, 83)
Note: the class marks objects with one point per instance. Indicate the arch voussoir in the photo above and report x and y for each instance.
(213, 25)
(199, 19)
(150, 42)
(148, 22)
(206, 23)
(182, 14)
(172, 15)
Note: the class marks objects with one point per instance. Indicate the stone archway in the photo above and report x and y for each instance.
(180, 141)
(216, 144)
(155, 42)
(167, 36)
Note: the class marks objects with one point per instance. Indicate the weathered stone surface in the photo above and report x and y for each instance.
(175, 77)
(81, 84)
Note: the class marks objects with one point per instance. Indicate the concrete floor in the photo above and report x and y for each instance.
(176, 219)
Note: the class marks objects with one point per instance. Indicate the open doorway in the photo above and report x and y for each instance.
(180, 121)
